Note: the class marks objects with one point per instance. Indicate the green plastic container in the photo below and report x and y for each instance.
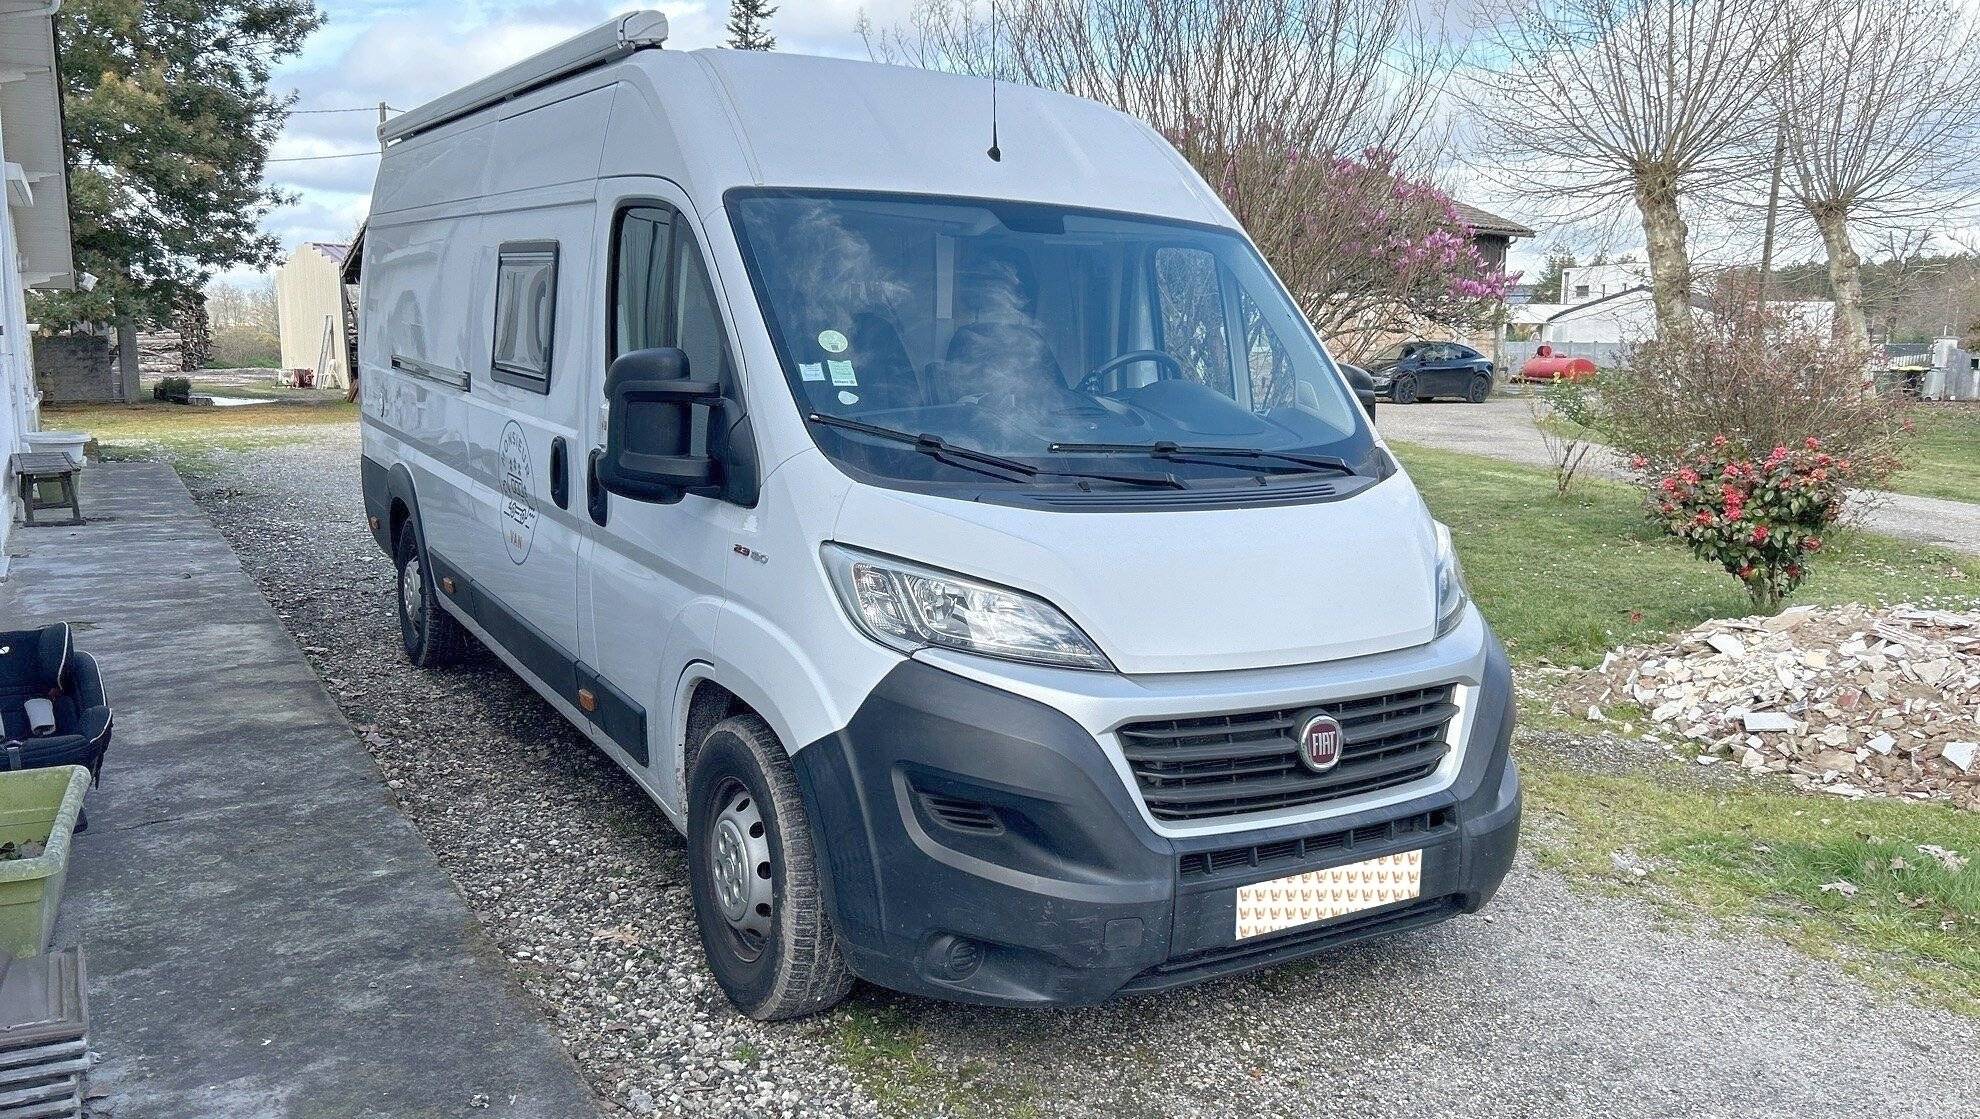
(41, 806)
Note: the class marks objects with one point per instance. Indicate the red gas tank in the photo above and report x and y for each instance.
(1544, 366)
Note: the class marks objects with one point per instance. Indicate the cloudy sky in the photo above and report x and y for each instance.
(404, 52)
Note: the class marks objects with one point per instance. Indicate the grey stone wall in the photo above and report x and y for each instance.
(77, 369)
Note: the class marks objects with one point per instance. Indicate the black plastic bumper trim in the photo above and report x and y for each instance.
(1072, 898)
(612, 711)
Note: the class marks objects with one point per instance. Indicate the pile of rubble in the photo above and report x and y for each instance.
(1846, 700)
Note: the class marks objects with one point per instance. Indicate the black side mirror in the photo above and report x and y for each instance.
(1364, 387)
(649, 434)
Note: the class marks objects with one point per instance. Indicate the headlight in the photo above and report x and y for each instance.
(1451, 591)
(907, 606)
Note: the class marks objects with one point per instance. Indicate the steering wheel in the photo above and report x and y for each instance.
(1092, 381)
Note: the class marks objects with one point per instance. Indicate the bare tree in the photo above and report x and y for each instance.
(1640, 101)
(1909, 267)
(1317, 121)
(247, 305)
(1880, 117)
(1333, 76)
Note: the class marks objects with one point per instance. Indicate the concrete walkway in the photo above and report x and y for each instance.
(1503, 428)
(267, 936)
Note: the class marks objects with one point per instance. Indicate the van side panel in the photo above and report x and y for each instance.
(413, 314)
(479, 448)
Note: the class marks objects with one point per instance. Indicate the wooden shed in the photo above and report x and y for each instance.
(310, 311)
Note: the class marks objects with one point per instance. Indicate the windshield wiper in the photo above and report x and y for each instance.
(983, 462)
(1181, 452)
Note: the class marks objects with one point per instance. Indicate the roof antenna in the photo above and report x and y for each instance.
(995, 153)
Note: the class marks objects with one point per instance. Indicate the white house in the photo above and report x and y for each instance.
(1597, 281)
(1628, 316)
(35, 240)
(309, 308)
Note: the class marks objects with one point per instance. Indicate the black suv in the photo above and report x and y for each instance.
(1412, 371)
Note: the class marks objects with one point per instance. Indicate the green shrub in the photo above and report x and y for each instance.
(245, 347)
(1758, 377)
(1759, 518)
(173, 390)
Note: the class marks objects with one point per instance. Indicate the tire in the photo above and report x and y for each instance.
(431, 636)
(757, 896)
(1403, 391)
(1479, 389)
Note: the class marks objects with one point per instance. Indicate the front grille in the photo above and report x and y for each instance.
(1292, 852)
(1223, 765)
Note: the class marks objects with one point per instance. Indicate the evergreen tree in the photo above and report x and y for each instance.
(169, 120)
(1547, 283)
(749, 25)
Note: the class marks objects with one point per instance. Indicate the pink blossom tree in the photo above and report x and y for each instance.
(1367, 250)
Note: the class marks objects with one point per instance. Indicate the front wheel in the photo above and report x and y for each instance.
(1403, 391)
(1479, 389)
(757, 895)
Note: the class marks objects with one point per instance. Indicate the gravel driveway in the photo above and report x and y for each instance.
(1503, 428)
(1552, 1003)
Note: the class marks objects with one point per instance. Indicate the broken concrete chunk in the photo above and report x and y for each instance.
(1961, 754)
(1728, 644)
(1768, 722)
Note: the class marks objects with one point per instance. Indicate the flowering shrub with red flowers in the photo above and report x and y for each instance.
(1762, 519)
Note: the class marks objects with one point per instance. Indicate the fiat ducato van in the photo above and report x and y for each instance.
(946, 517)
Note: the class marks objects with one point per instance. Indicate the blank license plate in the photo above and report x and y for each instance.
(1321, 895)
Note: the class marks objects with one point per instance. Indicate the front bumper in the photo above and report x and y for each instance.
(1061, 893)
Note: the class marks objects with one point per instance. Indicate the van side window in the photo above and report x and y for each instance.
(662, 295)
(525, 314)
(641, 315)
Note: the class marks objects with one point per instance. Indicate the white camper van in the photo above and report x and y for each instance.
(966, 543)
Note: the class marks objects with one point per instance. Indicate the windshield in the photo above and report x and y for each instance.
(1036, 333)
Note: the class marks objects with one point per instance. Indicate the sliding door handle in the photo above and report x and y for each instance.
(560, 472)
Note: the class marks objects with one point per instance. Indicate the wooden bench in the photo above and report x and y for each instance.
(37, 467)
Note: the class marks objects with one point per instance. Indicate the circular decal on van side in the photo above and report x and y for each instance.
(832, 342)
(518, 504)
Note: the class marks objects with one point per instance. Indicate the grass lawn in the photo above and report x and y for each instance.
(1752, 854)
(1945, 456)
(190, 437)
(1564, 580)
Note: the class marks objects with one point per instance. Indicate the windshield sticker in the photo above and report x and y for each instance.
(842, 373)
(848, 398)
(832, 341)
(811, 371)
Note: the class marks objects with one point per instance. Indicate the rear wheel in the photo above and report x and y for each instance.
(1403, 391)
(757, 896)
(1479, 389)
(431, 635)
